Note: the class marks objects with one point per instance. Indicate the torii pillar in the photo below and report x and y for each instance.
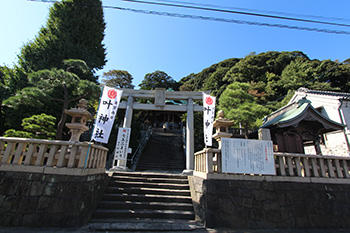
(189, 139)
(121, 164)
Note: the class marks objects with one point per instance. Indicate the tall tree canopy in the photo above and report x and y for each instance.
(158, 79)
(241, 106)
(118, 79)
(74, 30)
(268, 80)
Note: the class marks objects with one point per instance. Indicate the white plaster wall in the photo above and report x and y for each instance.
(330, 105)
(335, 144)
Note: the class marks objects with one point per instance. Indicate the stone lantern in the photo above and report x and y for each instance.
(221, 125)
(79, 118)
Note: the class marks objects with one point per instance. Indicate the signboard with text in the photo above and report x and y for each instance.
(122, 145)
(247, 156)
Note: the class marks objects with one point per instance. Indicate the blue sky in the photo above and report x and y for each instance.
(142, 43)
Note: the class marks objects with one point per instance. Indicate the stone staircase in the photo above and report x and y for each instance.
(140, 201)
(164, 151)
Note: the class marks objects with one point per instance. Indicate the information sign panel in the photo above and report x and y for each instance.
(122, 145)
(247, 156)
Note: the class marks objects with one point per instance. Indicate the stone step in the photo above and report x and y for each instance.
(163, 159)
(144, 225)
(161, 165)
(151, 180)
(159, 214)
(150, 168)
(150, 175)
(117, 183)
(142, 190)
(133, 205)
(147, 198)
(158, 163)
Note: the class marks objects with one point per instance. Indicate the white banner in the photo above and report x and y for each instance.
(208, 118)
(122, 144)
(247, 156)
(106, 113)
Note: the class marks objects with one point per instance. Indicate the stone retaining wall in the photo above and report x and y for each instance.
(248, 203)
(36, 199)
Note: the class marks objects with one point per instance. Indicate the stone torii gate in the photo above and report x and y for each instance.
(160, 95)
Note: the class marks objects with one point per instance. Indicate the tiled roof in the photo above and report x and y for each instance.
(293, 112)
(330, 93)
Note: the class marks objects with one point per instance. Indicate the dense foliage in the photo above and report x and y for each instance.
(55, 69)
(251, 87)
(118, 79)
(74, 30)
(158, 79)
(37, 126)
(51, 91)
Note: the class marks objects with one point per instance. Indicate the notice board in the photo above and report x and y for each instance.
(122, 145)
(247, 156)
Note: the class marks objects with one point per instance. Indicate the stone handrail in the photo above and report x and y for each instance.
(208, 160)
(51, 153)
(287, 164)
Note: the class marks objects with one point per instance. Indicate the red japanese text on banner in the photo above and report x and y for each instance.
(106, 113)
(208, 118)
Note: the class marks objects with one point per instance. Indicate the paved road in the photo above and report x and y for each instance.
(82, 230)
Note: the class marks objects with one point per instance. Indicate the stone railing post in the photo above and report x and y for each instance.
(209, 161)
(264, 134)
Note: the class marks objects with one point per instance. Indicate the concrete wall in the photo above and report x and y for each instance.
(36, 199)
(242, 203)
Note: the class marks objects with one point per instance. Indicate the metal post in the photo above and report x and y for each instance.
(189, 138)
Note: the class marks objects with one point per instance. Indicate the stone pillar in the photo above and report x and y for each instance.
(128, 113)
(189, 138)
(264, 134)
(121, 164)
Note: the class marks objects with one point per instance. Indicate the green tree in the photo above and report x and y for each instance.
(80, 68)
(241, 107)
(74, 29)
(37, 126)
(118, 79)
(211, 78)
(315, 74)
(26, 102)
(11, 80)
(63, 87)
(158, 79)
(259, 68)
